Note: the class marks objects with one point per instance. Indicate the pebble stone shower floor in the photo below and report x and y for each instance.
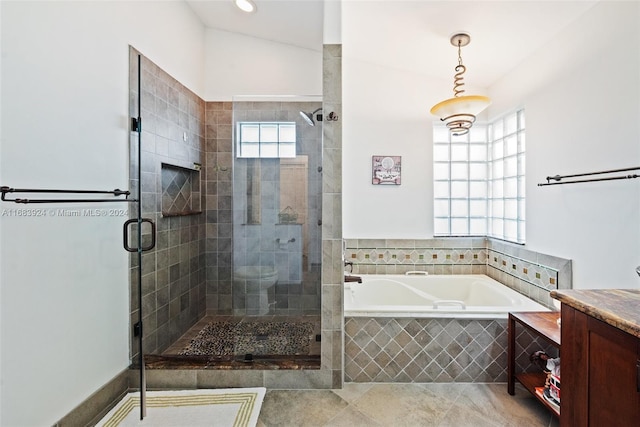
(255, 338)
(244, 342)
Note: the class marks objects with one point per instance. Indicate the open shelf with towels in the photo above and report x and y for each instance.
(543, 325)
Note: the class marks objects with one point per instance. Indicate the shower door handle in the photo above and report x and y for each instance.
(125, 233)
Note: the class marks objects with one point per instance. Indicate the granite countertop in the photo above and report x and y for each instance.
(617, 307)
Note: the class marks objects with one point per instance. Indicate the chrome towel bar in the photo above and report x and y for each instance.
(559, 178)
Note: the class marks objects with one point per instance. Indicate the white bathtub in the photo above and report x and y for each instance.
(473, 296)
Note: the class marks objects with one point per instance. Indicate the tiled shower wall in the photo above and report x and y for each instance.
(218, 190)
(332, 262)
(530, 273)
(173, 274)
(267, 241)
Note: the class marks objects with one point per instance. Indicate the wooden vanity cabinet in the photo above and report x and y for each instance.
(600, 377)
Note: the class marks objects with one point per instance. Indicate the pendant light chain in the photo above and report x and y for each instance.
(458, 76)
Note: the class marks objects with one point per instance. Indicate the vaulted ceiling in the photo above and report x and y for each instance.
(411, 35)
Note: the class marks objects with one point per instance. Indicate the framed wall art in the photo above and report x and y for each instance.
(386, 170)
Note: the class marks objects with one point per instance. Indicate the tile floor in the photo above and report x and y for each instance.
(395, 404)
(409, 405)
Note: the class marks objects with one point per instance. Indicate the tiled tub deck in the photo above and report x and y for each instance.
(386, 349)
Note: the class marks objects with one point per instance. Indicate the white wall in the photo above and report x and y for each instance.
(384, 114)
(583, 115)
(237, 64)
(332, 22)
(64, 280)
(580, 94)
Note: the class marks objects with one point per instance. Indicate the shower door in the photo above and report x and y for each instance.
(277, 202)
(166, 154)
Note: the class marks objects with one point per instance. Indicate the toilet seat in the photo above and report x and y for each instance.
(255, 272)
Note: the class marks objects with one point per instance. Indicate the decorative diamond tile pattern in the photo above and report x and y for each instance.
(179, 192)
(432, 350)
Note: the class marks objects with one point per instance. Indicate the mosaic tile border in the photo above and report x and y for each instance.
(530, 273)
(544, 273)
(418, 256)
(435, 256)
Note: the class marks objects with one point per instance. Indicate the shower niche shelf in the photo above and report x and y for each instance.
(181, 193)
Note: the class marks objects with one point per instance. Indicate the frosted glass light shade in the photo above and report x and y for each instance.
(465, 105)
(459, 113)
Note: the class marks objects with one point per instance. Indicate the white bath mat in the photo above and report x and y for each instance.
(233, 407)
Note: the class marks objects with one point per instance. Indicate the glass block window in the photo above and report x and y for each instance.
(506, 178)
(460, 182)
(479, 180)
(266, 139)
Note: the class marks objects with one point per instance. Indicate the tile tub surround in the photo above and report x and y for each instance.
(530, 273)
(445, 350)
(433, 350)
(435, 256)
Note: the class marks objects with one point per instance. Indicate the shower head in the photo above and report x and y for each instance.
(308, 117)
(638, 270)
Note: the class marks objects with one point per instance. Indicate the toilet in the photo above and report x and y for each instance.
(255, 281)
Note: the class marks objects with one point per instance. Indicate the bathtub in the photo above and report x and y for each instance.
(473, 296)
(442, 328)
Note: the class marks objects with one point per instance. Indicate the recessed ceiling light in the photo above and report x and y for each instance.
(246, 5)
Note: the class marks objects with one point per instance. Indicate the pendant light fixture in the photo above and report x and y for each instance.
(459, 112)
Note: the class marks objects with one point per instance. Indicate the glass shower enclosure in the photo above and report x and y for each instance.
(277, 202)
(235, 189)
